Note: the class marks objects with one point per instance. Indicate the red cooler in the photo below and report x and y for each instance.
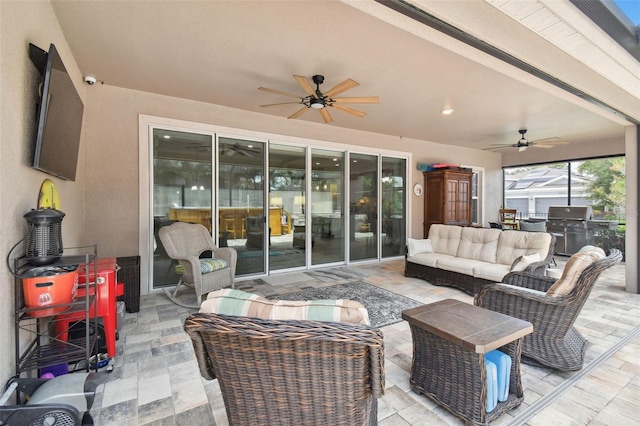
(108, 290)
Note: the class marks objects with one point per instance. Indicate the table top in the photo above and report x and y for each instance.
(477, 329)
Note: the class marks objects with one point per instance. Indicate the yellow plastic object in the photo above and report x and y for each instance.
(49, 198)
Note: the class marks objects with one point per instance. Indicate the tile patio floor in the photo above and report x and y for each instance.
(156, 380)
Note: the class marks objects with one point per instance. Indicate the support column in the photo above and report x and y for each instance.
(632, 249)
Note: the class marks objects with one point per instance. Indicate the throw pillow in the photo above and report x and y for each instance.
(419, 246)
(572, 270)
(522, 262)
(237, 302)
(206, 266)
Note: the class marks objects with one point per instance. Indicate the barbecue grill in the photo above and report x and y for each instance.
(574, 228)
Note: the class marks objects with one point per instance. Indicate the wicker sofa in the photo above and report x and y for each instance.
(468, 258)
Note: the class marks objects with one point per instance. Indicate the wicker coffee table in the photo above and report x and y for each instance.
(450, 339)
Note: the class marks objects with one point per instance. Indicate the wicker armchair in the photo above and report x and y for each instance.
(185, 242)
(555, 342)
(291, 372)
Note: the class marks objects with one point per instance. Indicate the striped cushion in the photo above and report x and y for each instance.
(206, 266)
(236, 302)
(572, 270)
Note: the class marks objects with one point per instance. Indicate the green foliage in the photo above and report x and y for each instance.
(606, 185)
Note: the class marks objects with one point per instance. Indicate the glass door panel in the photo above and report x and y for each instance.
(394, 206)
(241, 195)
(287, 189)
(182, 171)
(327, 207)
(363, 193)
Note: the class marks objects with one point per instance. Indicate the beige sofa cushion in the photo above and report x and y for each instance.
(236, 302)
(445, 238)
(491, 271)
(479, 244)
(513, 244)
(460, 265)
(428, 259)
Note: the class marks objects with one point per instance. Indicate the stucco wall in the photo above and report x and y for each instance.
(22, 23)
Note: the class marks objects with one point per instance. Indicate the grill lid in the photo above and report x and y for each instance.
(569, 213)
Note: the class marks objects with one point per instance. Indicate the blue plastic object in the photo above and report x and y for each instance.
(503, 365)
(492, 385)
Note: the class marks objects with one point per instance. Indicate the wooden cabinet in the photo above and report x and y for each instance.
(447, 198)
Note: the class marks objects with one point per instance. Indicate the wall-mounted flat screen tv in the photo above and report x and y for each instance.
(59, 115)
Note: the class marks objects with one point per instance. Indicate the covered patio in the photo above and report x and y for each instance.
(157, 381)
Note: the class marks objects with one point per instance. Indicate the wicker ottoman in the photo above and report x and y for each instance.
(450, 339)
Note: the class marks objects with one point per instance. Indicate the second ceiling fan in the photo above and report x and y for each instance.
(318, 100)
(523, 143)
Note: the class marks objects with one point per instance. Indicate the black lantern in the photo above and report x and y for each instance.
(45, 236)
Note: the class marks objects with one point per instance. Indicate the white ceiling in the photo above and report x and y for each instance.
(220, 52)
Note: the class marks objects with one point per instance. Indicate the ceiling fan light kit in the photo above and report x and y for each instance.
(316, 99)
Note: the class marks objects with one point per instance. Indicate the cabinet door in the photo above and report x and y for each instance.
(434, 202)
(463, 208)
(451, 201)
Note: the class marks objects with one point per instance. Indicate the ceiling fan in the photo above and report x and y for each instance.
(320, 101)
(523, 143)
(233, 149)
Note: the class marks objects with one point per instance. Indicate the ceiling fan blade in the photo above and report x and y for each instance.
(326, 116)
(283, 103)
(299, 112)
(279, 92)
(344, 86)
(349, 110)
(304, 82)
(542, 145)
(361, 100)
(498, 148)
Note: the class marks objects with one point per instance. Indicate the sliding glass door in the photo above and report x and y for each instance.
(281, 206)
(393, 206)
(287, 188)
(327, 206)
(182, 191)
(241, 202)
(363, 195)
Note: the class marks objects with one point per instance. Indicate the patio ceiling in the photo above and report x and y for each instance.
(220, 52)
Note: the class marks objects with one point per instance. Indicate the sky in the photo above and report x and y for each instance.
(631, 8)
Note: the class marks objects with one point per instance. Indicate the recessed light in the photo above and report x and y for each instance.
(167, 137)
(447, 111)
(250, 146)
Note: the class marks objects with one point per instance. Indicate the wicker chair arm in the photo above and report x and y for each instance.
(227, 254)
(200, 350)
(191, 265)
(530, 305)
(537, 268)
(529, 280)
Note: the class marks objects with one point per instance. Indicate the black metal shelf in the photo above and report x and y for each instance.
(43, 349)
(40, 356)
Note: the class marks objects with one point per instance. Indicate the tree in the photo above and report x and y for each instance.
(606, 185)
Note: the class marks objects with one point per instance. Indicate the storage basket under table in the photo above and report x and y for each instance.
(450, 339)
